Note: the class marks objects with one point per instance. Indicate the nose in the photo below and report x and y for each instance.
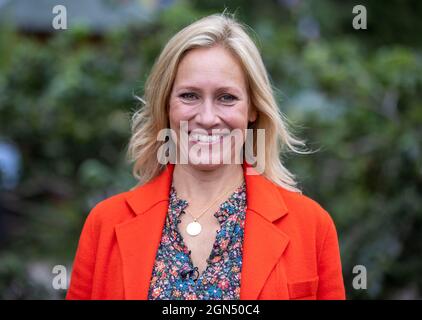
(207, 116)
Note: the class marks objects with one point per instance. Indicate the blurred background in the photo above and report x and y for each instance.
(66, 97)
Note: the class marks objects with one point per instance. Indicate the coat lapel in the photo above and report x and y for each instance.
(263, 242)
(139, 238)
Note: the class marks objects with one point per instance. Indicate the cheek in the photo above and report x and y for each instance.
(237, 117)
(172, 118)
(176, 114)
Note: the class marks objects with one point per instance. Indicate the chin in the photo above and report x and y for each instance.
(206, 166)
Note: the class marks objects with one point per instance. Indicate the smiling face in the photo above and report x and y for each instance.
(210, 94)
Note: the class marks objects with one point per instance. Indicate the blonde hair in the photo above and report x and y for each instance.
(217, 29)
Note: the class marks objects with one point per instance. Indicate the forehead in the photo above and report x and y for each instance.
(210, 66)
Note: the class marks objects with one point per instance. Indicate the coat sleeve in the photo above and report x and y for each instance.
(84, 263)
(331, 285)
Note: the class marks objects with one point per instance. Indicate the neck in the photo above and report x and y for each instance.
(202, 185)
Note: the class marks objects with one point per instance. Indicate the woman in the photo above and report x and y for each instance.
(201, 225)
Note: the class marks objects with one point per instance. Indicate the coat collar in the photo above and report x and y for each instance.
(139, 238)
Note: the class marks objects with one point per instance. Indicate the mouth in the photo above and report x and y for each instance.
(205, 138)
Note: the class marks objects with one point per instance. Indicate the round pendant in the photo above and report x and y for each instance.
(194, 228)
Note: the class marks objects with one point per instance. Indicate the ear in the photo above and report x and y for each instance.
(252, 115)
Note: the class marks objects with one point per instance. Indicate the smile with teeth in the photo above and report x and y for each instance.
(196, 137)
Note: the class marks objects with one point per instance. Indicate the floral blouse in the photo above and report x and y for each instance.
(173, 272)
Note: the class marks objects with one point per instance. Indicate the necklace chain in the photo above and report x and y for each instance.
(220, 196)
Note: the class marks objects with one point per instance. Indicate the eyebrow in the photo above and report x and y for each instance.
(225, 88)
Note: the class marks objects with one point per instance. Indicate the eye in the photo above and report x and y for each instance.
(188, 96)
(228, 98)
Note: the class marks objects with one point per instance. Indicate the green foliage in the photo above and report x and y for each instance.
(65, 102)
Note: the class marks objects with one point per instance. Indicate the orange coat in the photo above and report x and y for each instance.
(290, 248)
